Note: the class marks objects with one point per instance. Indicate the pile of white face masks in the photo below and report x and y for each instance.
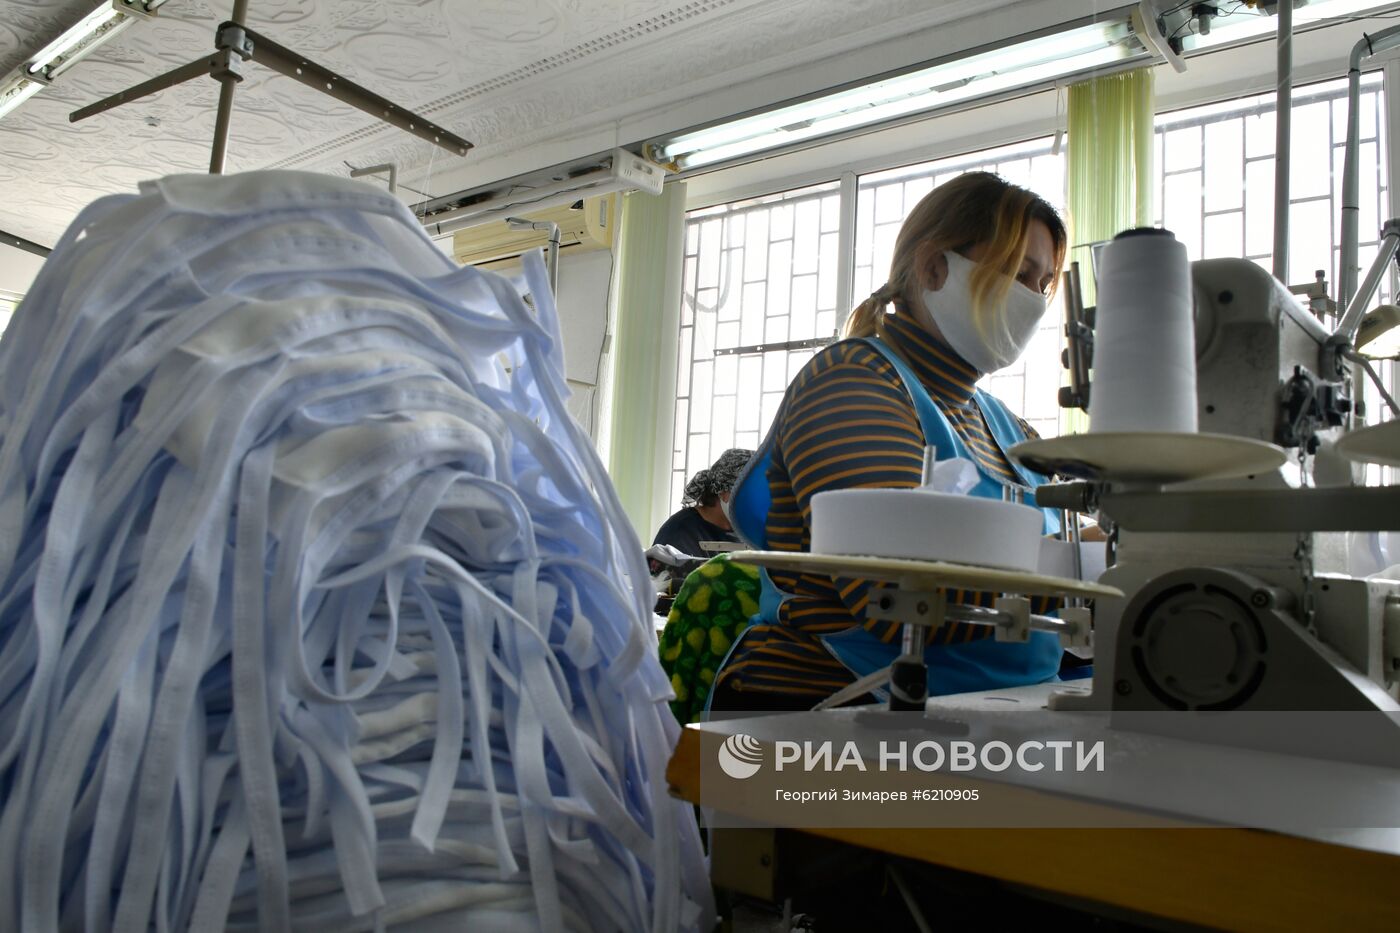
(313, 616)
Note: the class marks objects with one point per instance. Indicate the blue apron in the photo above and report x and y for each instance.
(984, 664)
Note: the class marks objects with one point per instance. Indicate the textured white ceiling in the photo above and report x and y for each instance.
(505, 74)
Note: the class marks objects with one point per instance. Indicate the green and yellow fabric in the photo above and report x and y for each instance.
(713, 606)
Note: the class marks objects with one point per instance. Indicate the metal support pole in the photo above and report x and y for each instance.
(551, 256)
(1075, 539)
(846, 251)
(1356, 310)
(1351, 209)
(226, 81)
(908, 673)
(1283, 138)
(1391, 136)
(909, 638)
(1078, 343)
(389, 168)
(551, 259)
(221, 122)
(1338, 361)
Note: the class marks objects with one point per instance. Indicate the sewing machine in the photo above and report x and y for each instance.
(1230, 622)
(1236, 593)
(1229, 588)
(1235, 596)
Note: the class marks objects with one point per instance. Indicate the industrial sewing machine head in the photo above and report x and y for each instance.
(1238, 591)
(1242, 590)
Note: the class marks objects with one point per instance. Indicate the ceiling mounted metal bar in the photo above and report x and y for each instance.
(146, 88)
(286, 62)
(236, 43)
(19, 242)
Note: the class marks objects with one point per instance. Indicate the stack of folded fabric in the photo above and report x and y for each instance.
(317, 611)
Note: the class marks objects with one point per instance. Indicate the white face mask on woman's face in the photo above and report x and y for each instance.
(1010, 325)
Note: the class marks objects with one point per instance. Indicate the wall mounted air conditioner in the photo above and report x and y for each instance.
(560, 185)
(591, 225)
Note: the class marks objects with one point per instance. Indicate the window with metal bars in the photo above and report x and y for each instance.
(1215, 167)
(758, 299)
(9, 301)
(760, 282)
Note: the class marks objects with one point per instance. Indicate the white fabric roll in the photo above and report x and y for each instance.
(1057, 559)
(1144, 339)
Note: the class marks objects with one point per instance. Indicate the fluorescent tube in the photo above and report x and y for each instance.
(87, 34)
(16, 90)
(1018, 65)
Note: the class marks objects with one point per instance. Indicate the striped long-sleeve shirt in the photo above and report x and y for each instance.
(847, 422)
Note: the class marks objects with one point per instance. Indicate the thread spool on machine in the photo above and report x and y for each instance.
(1239, 526)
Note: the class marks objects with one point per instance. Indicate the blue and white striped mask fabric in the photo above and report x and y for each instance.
(312, 616)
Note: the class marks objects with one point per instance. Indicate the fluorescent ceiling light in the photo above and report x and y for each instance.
(1022, 64)
(89, 32)
(1242, 22)
(104, 22)
(16, 90)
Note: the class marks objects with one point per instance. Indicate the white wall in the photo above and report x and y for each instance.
(584, 288)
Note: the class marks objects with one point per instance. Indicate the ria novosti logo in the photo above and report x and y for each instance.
(740, 756)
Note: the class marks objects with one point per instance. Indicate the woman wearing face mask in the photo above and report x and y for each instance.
(973, 266)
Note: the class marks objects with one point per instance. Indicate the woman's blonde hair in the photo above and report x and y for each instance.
(978, 207)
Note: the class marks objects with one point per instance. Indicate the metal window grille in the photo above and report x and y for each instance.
(759, 293)
(8, 303)
(1216, 186)
(1215, 167)
(758, 298)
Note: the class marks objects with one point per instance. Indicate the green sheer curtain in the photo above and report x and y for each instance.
(1110, 161)
(646, 335)
(1110, 171)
